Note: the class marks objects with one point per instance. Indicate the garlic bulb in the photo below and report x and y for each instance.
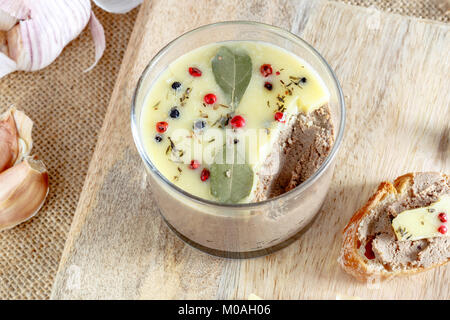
(118, 6)
(15, 138)
(38, 30)
(23, 189)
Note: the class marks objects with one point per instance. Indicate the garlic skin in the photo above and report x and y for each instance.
(118, 6)
(41, 31)
(15, 138)
(11, 12)
(6, 21)
(24, 127)
(3, 42)
(7, 65)
(98, 35)
(9, 144)
(23, 189)
(17, 8)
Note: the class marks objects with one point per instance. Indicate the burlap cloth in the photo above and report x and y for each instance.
(68, 107)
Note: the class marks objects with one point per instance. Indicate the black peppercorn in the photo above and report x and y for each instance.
(268, 86)
(174, 113)
(176, 85)
(236, 141)
(158, 138)
(199, 125)
(303, 80)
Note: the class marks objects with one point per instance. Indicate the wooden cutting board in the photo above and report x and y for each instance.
(395, 75)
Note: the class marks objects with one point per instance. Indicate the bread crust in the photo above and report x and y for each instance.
(350, 259)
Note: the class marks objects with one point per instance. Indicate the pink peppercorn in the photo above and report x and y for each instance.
(210, 98)
(237, 122)
(194, 164)
(204, 175)
(279, 116)
(195, 72)
(442, 229)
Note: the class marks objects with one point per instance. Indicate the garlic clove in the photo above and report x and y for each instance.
(15, 138)
(118, 6)
(23, 189)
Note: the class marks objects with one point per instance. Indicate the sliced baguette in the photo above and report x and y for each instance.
(371, 224)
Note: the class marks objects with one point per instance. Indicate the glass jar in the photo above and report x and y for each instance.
(247, 229)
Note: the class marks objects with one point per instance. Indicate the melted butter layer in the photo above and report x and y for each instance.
(297, 88)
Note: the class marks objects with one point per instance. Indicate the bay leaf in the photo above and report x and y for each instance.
(232, 71)
(230, 181)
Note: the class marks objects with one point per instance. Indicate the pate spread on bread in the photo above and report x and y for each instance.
(402, 229)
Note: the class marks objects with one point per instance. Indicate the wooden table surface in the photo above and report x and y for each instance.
(395, 75)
